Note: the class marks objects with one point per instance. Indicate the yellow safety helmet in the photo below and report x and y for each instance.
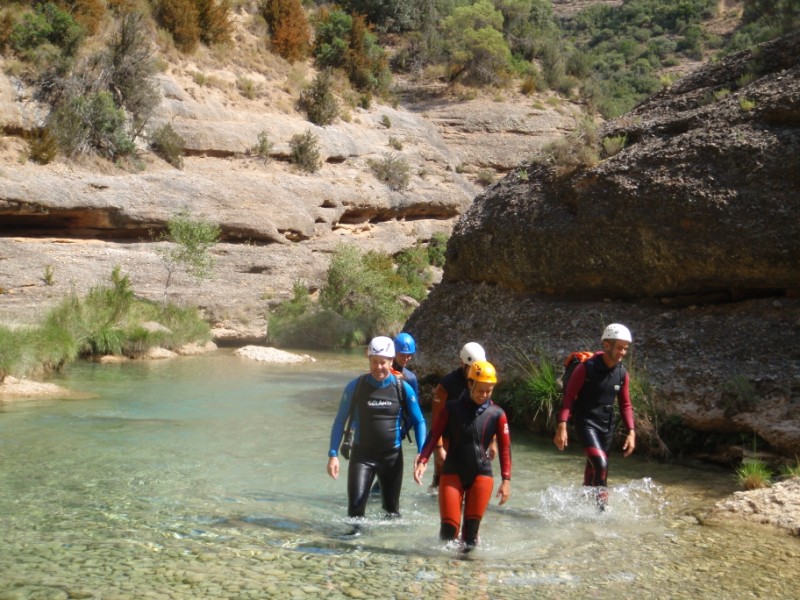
(482, 370)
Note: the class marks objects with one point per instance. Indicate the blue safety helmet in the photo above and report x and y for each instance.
(405, 344)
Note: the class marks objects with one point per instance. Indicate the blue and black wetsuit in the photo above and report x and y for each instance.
(377, 449)
(591, 391)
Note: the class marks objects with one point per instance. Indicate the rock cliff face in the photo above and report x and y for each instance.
(278, 225)
(690, 235)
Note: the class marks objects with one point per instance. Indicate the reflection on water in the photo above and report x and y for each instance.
(205, 478)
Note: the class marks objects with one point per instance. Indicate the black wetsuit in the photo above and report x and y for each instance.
(377, 450)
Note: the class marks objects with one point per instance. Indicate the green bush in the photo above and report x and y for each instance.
(534, 397)
(577, 150)
(263, 147)
(191, 241)
(344, 41)
(613, 144)
(42, 145)
(437, 247)
(486, 177)
(413, 266)
(358, 300)
(305, 151)
(48, 24)
(127, 69)
(91, 124)
(753, 474)
(791, 470)
(247, 87)
(477, 50)
(106, 320)
(168, 144)
(393, 170)
(318, 101)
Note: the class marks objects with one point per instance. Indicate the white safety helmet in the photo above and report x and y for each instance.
(381, 346)
(615, 331)
(471, 352)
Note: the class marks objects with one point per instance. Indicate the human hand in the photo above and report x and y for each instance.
(561, 439)
(419, 470)
(504, 491)
(630, 444)
(333, 467)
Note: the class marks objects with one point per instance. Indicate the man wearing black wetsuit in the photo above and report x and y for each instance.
(589, 398)
(376, 401)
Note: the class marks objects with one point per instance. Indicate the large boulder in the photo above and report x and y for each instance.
(690, 235)
(702, 201)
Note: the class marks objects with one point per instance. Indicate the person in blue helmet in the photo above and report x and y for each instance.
(376, 401)
(405, 347)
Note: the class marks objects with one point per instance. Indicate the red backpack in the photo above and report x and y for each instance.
(572, 361)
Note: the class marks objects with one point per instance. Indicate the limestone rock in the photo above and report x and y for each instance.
(273, 355)
(777, 505)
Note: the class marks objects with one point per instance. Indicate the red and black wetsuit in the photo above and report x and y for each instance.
(467, 471)
(589, 397)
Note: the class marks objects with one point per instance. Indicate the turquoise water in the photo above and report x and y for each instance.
(204, 477)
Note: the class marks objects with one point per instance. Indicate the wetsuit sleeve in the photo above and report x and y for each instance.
(574, 385)
(414, 383)
(439, 400)
(439, 425)
(625, 406)
(337, 430)
(415, 412)
(504, 446)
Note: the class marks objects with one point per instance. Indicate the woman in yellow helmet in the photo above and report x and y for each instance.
(470, 423)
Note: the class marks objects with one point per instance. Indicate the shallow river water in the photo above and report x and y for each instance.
(204, 477)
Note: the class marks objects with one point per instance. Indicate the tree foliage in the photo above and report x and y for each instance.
(126, 68)
(344, 41)
(290, 32)
(214, 21)
(181, 19)
(318, 101)
(477, 49)
(190, 248)
(47, 24)
(388, 15)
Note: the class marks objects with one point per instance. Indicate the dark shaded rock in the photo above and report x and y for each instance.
(690, 235)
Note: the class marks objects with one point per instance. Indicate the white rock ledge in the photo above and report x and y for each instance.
(273, 355)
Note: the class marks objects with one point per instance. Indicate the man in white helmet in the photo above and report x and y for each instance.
(589, 397)
(374, 405)
(450, 387)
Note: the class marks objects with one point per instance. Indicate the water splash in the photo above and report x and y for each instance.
(638, 500)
